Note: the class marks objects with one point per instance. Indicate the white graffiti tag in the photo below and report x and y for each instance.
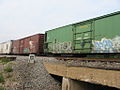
(107, 45)
(104, 46)
(65, 47)
(116, 43)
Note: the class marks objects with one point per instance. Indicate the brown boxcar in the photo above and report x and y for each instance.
(16, 48)
(31, 44)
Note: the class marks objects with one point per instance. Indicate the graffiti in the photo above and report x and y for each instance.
(26, 50)
(116, 43)
(103, 46)
(31, 44)
(15, 50)
(65, 47)
(107, 45)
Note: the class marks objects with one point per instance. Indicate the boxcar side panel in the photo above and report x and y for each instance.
(107, 35)
(59, 40)
(21, 45)
(1, 48)
(83, 35)
(6, 47)
(27, 45)
(16, 47)
(41, 44)
(34, 44)
(97, 35)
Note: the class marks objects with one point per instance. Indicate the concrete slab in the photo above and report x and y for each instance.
(98, 76)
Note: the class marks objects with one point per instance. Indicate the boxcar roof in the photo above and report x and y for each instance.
(29, 36)
(6, 41)
(96, 18)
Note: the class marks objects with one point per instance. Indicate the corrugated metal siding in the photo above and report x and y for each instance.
(41, 43)
(31, 44)
(105, 36)
(1, 48)
(59, 40)
(6, 47)
(16, 48)
(26, 45)
(34, 44)
(107, 27)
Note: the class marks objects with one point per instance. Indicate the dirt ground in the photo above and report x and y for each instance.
(28, 76)
(33, 76)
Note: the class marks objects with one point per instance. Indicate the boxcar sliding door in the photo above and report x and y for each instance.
(82, 37)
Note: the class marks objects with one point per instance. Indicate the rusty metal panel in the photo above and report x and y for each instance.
(16, 48)
(41, 43)
(25, 45)
(21, 46)
(30, 44)
(34, 44)
(6, 47)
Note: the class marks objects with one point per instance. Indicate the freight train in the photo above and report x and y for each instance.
(99, 35)
(31, 44)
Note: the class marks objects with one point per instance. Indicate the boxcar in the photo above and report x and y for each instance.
(6, 47)
(97, 35)
(31, 44)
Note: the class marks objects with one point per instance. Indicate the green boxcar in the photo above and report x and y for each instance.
(97, 35)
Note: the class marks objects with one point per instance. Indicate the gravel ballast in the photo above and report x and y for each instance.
(32, 76)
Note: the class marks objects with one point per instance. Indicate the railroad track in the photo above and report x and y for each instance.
(100, 63)
(71, 58)
(83, 58)
(88, 59)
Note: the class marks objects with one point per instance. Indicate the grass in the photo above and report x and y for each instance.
(1, 78)
(4, 60)
(8, 69)
(1, 88)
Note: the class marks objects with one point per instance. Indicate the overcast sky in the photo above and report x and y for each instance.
(20, 18)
